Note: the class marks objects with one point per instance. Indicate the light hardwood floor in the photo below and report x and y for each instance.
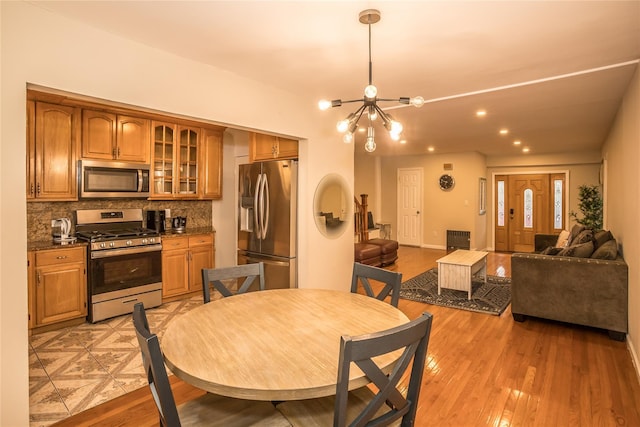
(482, 370)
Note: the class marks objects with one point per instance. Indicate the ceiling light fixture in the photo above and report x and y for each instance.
(370, 101)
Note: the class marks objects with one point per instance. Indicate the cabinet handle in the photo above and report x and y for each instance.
(61, 257)
(118, 152)
(38, 277)
(38, 188)
(113, 153)
(31, 189)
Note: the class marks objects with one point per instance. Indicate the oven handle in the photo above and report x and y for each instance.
(125, 251)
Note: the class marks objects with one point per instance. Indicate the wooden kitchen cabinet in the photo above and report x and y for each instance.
(174, 161)
(183, 259)
(57, 286)
(268, 147)
(52, 143)
(186, 162)
(211, 176)
(109, 136)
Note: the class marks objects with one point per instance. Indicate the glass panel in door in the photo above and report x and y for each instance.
(163, 141)
(188, 161)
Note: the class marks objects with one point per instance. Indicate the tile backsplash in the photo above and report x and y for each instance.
(40, 214)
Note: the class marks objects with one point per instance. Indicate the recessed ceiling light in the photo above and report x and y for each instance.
(525, 150)
(431, 149)
(361, 129)
(517, 142)
(504, 131)
(403, 141)
(481, 113)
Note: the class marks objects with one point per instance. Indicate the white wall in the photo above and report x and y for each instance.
(44, 49)
(443, 210)
(622, 199)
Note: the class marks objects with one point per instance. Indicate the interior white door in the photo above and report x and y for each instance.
(410, 206)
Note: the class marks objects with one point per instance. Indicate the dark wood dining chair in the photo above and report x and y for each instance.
(207, 410)
(392, 280)
(215, 276)
(388, 405)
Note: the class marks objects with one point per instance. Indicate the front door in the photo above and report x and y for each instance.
(527, 205)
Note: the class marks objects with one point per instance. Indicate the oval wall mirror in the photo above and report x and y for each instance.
(331, 206)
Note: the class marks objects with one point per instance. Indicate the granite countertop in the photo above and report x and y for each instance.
(41, 245)
(189, 231)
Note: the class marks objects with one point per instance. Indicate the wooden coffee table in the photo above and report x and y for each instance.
(456, 270)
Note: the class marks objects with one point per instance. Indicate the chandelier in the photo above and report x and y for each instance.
(369, 107)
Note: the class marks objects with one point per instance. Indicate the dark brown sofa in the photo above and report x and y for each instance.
(583, 291)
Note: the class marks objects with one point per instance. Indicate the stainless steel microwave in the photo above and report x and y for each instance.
(99, 179)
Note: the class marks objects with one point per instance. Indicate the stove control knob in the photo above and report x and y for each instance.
(112, 244)
(103, 245)
(129, 243)
(152, 240)
(144, 241)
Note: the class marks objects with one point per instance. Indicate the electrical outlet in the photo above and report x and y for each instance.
(167, 213)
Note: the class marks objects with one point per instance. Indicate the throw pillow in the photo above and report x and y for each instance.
(608, 250)
(583, 250)
(563, 238)
(575, 230)
(584, 237)
(600, 237)
(551, 250)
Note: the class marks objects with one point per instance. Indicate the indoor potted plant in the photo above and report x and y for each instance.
(591, 207)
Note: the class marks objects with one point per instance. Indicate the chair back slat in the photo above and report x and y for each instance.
(388, 404)
(154, 367)
(214, 276)
(362, 274)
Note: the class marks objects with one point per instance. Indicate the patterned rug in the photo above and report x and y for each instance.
(491, 298)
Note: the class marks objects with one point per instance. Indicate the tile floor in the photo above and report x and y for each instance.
(76, 368)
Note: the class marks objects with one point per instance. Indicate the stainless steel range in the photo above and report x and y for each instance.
(124, 261)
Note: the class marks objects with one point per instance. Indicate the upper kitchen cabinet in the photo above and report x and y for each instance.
(52, 143)
(211, 176)
(268, 147)
(174, 161)
(111, 136)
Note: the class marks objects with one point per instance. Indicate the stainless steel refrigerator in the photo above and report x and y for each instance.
(267, 220)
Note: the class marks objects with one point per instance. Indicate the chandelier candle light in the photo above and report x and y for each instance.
(370, 101)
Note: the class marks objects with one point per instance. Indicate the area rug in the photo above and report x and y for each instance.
(491, 298)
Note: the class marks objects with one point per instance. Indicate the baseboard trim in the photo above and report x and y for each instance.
(634, 356)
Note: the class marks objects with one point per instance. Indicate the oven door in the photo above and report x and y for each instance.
(119, 269)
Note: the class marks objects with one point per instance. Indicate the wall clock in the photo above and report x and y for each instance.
(446, 182)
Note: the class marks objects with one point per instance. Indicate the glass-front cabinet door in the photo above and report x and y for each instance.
(162, 162)
(175, 161)
(188, 162)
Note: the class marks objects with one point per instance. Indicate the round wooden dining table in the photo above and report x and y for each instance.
(281, 344)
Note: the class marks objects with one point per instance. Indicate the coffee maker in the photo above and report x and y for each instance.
(155, 220)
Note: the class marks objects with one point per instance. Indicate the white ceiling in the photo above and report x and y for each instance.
(552, 72)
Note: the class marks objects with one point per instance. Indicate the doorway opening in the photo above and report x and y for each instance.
(526, 205)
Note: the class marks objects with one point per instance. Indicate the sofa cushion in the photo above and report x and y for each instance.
(575, 230)
(583, 250)
(608, 250)
(583, 237)
(551, 250)
(600, 237)
(563, 238)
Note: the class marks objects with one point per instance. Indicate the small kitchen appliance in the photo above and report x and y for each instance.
(155, 220)
(61, 230)
(179, 223)
(124, 261)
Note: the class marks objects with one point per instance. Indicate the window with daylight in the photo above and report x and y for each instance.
(557, 204)
(500, 203)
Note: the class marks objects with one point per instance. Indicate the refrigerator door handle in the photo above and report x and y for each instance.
(256, 207)
(265, 202)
